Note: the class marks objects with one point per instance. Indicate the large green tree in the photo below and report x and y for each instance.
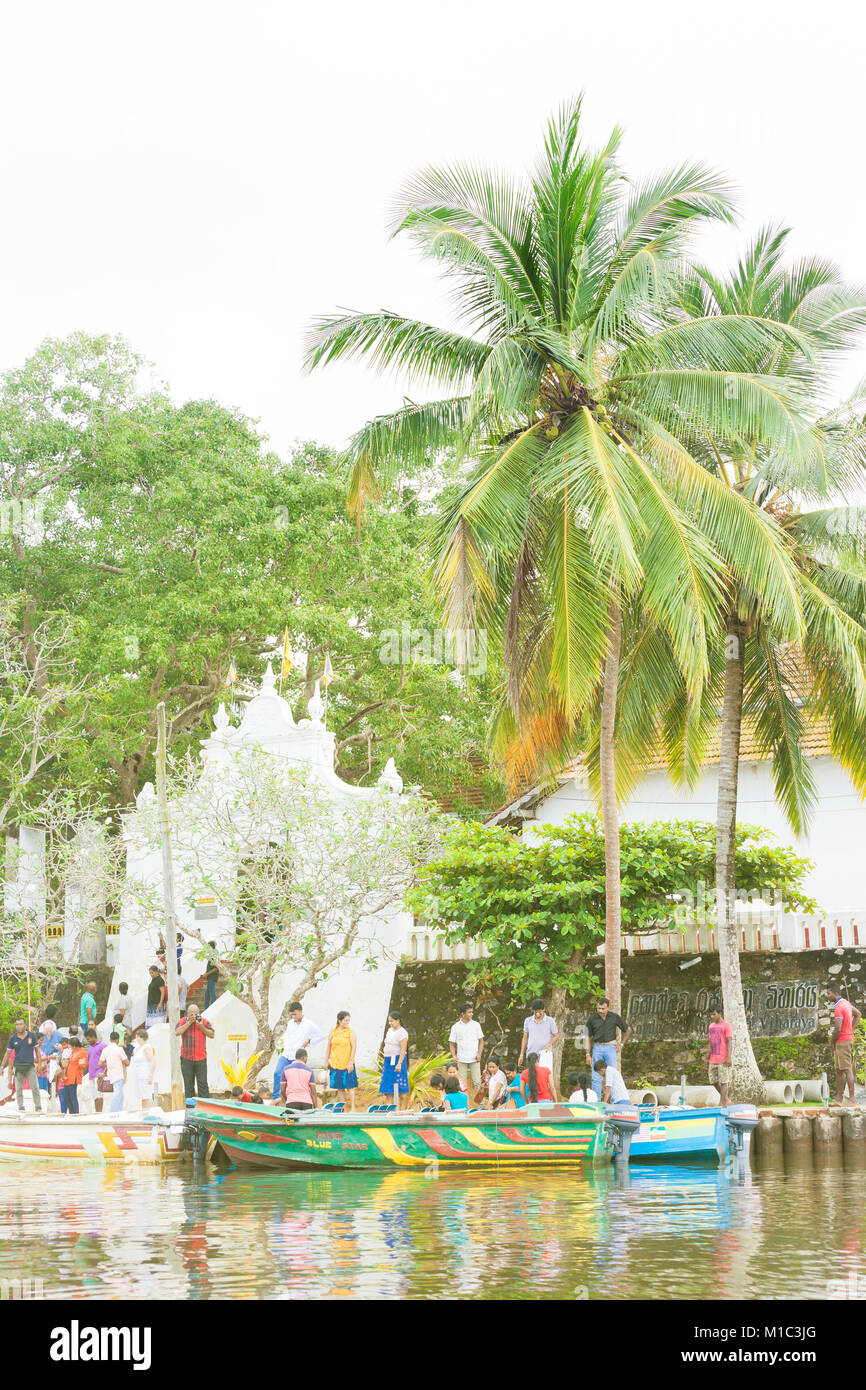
(568, 388)
(163, 543)
(814, 493)
(539, 906)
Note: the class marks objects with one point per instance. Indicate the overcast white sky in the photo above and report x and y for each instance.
(205, 177)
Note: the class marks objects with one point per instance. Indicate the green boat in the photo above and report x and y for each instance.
(266, 1137)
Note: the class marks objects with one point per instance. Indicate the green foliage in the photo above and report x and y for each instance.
(576, 389)
(539, 906)
(13, 1003)
(419, 1073)
(170, 544)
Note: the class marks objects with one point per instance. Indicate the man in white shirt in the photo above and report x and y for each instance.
(612, 1085)
(466, 1042)
(301, 1031)
(540, 1034)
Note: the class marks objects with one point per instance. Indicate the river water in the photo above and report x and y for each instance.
(657, 1232)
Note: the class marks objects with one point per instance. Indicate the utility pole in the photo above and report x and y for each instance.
(178, 1100)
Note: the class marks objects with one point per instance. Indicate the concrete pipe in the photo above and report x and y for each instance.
(826, 1133)
(702, 1095)
(854, 1136)
(768, 1139)
(695, 1095)
(644, 1097)
(779, 1092)
(798, 1135)
(668, 1095)
(812, 1090)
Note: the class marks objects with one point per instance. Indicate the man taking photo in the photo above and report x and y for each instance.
(194, 1031)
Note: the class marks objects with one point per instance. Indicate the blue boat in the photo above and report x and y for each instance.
(710, 1134)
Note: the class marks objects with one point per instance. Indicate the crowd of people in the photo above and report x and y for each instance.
(75, 1071)
(462, 1080)
(63, 1069)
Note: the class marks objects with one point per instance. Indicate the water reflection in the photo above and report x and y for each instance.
(654, 1232)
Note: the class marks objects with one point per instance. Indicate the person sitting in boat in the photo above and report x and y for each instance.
(452, 1072)
(612, 1085)
(513, 1099)
(437, 1084)
(455, 1099)
(494, 1085)
(536, 1082)
(580, 1083)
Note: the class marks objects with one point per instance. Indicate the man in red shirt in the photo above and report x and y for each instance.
(719, 1058)
(194, 1032)
(846, 1019)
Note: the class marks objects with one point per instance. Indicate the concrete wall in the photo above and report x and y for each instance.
(429, 997)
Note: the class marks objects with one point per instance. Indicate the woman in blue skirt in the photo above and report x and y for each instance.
(395, 1068)
(342, 1043)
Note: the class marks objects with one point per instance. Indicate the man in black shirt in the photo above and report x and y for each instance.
(155, 998)
(601, 1030)
(22, 1050)
(211, 975)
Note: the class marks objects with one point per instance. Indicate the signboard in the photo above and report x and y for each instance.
(205, 909)
(237, 1037)
(775, 1010)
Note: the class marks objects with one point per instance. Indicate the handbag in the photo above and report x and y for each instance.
(104, 1086)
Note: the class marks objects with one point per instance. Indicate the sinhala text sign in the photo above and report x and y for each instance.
(773, 1010)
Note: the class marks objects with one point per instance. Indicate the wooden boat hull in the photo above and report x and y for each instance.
(92, 1138)
(262, 1136)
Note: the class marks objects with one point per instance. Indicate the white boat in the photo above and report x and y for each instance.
(152, 1137)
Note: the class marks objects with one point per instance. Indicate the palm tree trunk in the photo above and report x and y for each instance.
(610, 812)
(746, 1084)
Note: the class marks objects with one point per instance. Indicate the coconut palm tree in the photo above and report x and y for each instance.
(776, 687)
(568, 387)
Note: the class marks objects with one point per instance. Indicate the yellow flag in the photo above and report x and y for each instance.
(287, 657)
(233, 673)
(328, 673)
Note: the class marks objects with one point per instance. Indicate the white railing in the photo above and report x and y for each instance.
(759, 931)
(428, 946)
(770, 931)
